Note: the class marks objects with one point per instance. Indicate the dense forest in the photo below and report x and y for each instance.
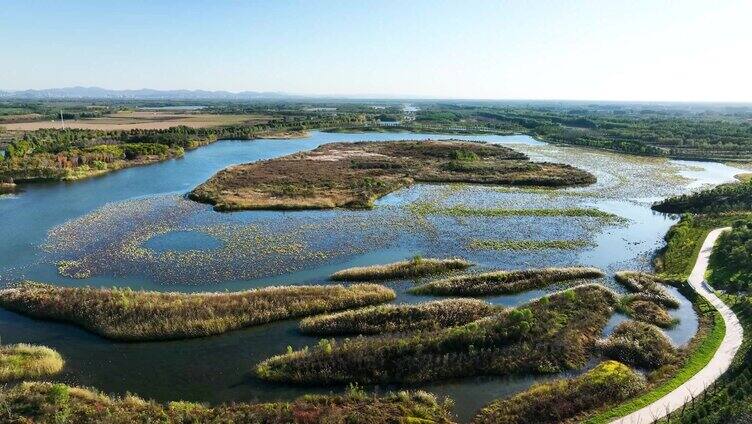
(732, 258)
(734, 197)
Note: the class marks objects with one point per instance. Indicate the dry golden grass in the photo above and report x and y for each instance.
(28, 361)
(124, 314)
(416, 267)
(143, 120)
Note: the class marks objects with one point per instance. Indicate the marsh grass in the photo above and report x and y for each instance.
(125, 314)
(485, 244)
(504, 282)
(563, 400)
(399, 318)
(548, 335)
(462, 211)
(415, 267)
(28, 361)
(639, 345)
(60, 403)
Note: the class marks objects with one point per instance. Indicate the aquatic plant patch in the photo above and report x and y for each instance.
(415, 267)
(527, 244)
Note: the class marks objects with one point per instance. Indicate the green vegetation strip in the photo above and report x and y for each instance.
(60, 403)
(425, 208)
(28, 361)
(504, 282)
(483, 244)
(400, 318)
(125, 314)
(415, 267)
(696, 361)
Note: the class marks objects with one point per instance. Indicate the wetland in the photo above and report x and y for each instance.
(135, 229)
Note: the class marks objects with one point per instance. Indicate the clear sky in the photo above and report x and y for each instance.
(688, 50)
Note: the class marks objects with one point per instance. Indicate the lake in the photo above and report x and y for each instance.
(135, 228)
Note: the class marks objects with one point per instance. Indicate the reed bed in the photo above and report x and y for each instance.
(640, 345)
(504, 282)
(645, 286)
(487, 244)
(125, 314)
(548, 335)
(399, 318)
(413, 268)
(564, 400)
(60, 403)
(28, 361)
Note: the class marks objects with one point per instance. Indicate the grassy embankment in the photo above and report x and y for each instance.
(60, 403)
(124, 314)
(28, 361)
(564, 400)
(413, 268)
(399, 318)
(548, 335)
(504, 282)
(354, 175)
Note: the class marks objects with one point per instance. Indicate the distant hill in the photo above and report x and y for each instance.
(142, 94)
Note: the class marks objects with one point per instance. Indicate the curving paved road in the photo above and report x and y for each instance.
(717, 365)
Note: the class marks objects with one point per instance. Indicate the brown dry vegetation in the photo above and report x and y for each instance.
(399, 318)
(504, 282)
(59, 403)
(416, 267)
(354, 175)
(124, 314)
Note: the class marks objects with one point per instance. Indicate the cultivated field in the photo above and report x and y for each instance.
(143, 120)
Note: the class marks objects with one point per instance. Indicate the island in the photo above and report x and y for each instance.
(355, 175)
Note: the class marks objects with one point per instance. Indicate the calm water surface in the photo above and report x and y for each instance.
(121, 226)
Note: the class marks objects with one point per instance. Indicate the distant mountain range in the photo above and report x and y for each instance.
(143, 94)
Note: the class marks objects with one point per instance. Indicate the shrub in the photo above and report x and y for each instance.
(639, 344)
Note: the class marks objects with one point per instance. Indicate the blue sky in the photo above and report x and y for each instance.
(599, 50)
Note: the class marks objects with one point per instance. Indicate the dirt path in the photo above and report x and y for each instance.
(717, 365)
